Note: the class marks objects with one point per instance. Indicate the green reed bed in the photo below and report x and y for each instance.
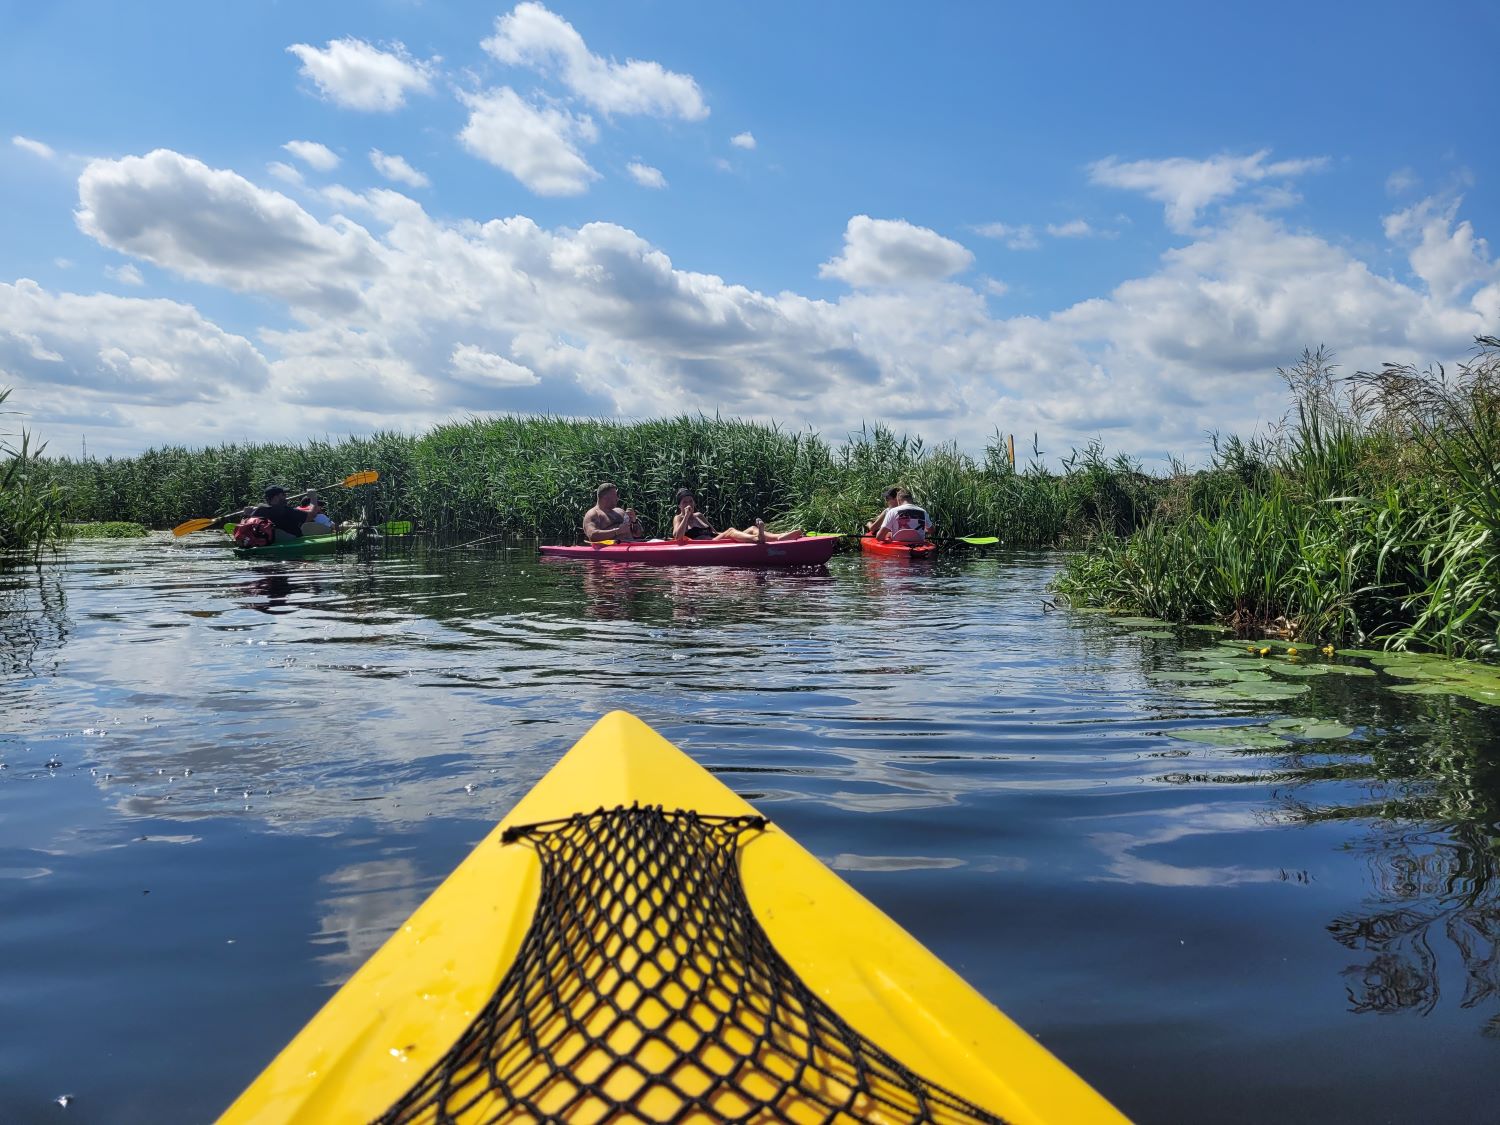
(31, 502)
(535, 476)
(1374, 516)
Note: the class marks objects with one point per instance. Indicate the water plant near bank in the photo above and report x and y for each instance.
(31, 509)
(1372, 516)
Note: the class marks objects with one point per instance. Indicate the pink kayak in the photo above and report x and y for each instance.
(807, 551)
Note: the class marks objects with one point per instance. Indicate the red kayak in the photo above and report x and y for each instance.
(807, 551)
(872, 546)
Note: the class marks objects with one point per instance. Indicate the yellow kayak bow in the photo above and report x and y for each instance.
(633, 942)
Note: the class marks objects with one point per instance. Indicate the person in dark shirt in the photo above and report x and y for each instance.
(286, 519)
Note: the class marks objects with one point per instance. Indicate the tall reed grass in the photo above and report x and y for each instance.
(535, 476)
(31, 501)
(1372, 516)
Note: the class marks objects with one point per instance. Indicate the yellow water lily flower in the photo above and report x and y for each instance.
(1291, 652)
(1327, 650)
(1265, 651)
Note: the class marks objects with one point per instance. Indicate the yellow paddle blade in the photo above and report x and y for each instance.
(192, 526)
(369, 476)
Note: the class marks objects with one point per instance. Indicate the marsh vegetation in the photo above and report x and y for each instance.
(1371, 516)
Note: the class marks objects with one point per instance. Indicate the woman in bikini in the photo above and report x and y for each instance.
(689, 524)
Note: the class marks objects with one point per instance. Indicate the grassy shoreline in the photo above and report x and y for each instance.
(536, 476)
(1372, 517)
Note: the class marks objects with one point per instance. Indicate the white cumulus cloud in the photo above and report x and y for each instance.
(894, 252)
(396, 168)
(424, 318)
(645, 175)
(215, 226)
(1449, 258)
(356, 75)
(1187, 186)
(317, 156)
(126, 274)
(743, 140)
(118, 350)
(538, 145)
(532, 36)
(473, 363)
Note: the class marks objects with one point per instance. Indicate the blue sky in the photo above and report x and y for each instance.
(258, 221)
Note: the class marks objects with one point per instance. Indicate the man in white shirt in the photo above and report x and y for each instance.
(904, 522)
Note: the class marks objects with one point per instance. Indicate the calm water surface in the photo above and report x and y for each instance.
(259, 771)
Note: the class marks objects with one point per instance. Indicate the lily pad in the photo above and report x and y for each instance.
(1367, 653)
(1239, 663)
(1242, 675)
(1207, 628)
(1247, 738)
(1155, 634)
(1177, 676)
(1138, 621)
(1347, 669)
(1311, 728)
(1327, 730)
(1424, 688)
(1284, 668)
(1240, 692)
(1259, 643)
(1410, 670)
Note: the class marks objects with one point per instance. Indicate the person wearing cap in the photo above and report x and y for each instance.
(286, 519)
(315, 519)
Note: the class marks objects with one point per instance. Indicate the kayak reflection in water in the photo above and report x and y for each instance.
(607, 520)
(689, 523)
(904, 522)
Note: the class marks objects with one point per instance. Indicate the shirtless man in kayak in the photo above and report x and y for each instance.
(689, 523)
(607, 520)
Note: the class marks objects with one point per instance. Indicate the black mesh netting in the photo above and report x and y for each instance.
(645, 990)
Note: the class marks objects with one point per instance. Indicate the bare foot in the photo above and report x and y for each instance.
(760, 530)
(795, 533)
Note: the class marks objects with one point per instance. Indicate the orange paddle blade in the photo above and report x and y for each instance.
(192, 526)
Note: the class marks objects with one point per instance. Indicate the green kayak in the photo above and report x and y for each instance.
(305, 547)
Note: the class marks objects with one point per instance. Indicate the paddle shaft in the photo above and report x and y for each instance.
(368, 476)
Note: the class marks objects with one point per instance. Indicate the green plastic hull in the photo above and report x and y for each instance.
(305, 547)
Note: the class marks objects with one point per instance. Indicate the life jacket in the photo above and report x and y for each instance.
(257, 531)
(909, 525)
